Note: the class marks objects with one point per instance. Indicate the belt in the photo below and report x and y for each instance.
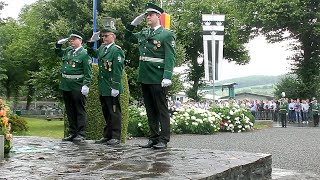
(151, 59)
(70, 76)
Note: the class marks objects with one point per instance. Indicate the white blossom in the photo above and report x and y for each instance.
(195, 123)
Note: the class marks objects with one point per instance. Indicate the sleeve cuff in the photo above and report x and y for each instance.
(130, 27)
(115, 85)
(58, 46)
(167, 74)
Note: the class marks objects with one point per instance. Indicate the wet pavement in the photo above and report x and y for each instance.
(45, 158)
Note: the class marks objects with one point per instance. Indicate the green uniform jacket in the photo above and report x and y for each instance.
(74, 63)
(315, 108)
(157, 53)
(283, 107)
(110, 63)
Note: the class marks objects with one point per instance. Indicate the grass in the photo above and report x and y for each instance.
(55, 129)
(44, 128)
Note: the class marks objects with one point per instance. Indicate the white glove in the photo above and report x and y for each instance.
(85, 90)
(138, 20)
(62, 41)
(114, 92)
(95, 36)
(166, 82)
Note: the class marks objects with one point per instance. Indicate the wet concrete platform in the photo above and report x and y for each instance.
(45, 158)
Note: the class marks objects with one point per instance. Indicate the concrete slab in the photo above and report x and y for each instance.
(39, 158)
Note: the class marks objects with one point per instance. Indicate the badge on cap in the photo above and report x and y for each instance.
(173, 43)
(119, 58)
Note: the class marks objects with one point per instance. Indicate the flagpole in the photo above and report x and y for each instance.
(95, 25)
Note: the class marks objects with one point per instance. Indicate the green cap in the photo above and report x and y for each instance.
(150, 7)
(109, 29)
(75, 33)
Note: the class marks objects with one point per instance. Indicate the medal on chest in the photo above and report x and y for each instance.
(157, 44)
(108, 65)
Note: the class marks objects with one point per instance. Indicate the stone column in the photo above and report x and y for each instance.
(1, 147)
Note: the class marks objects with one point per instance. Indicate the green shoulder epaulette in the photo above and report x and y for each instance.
(118, 46)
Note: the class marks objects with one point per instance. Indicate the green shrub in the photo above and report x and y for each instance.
(138, 122)
(195, 121)
(96, 121)
(124, 102)
(234, 119)
(183, 121)
(18, 124)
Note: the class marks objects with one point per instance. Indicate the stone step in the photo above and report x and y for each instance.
(45, 158)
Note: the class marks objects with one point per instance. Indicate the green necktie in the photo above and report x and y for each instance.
(151, 30)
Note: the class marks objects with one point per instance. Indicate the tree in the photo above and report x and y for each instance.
(293, 88)
(295, 19)
(2, 5)
(187, 22)
(11, 61)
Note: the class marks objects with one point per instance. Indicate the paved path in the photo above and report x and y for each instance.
(292, 148)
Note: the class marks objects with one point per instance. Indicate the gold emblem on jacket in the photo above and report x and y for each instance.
(108, 65)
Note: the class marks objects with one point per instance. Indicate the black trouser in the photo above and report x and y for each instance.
(156, 103)
(75, 104)
(112, 115)
(316, 119)
(283, 119)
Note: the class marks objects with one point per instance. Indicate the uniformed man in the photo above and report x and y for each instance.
(315, 112)
(110, 60)
(157, 59)
(76, 72)
(283, 110)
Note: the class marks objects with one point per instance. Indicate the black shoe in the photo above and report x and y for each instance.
(149, 144)
(101, 141)
(160, 145)
(79, 138)
(69, 138)
(113, 142)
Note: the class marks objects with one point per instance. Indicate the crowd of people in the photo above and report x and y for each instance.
(297, 111)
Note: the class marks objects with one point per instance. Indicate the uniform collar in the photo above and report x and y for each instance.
(109, 45)
(157, 27)
(75, 50)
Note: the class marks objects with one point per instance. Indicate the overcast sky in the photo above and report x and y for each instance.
(266, 59)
